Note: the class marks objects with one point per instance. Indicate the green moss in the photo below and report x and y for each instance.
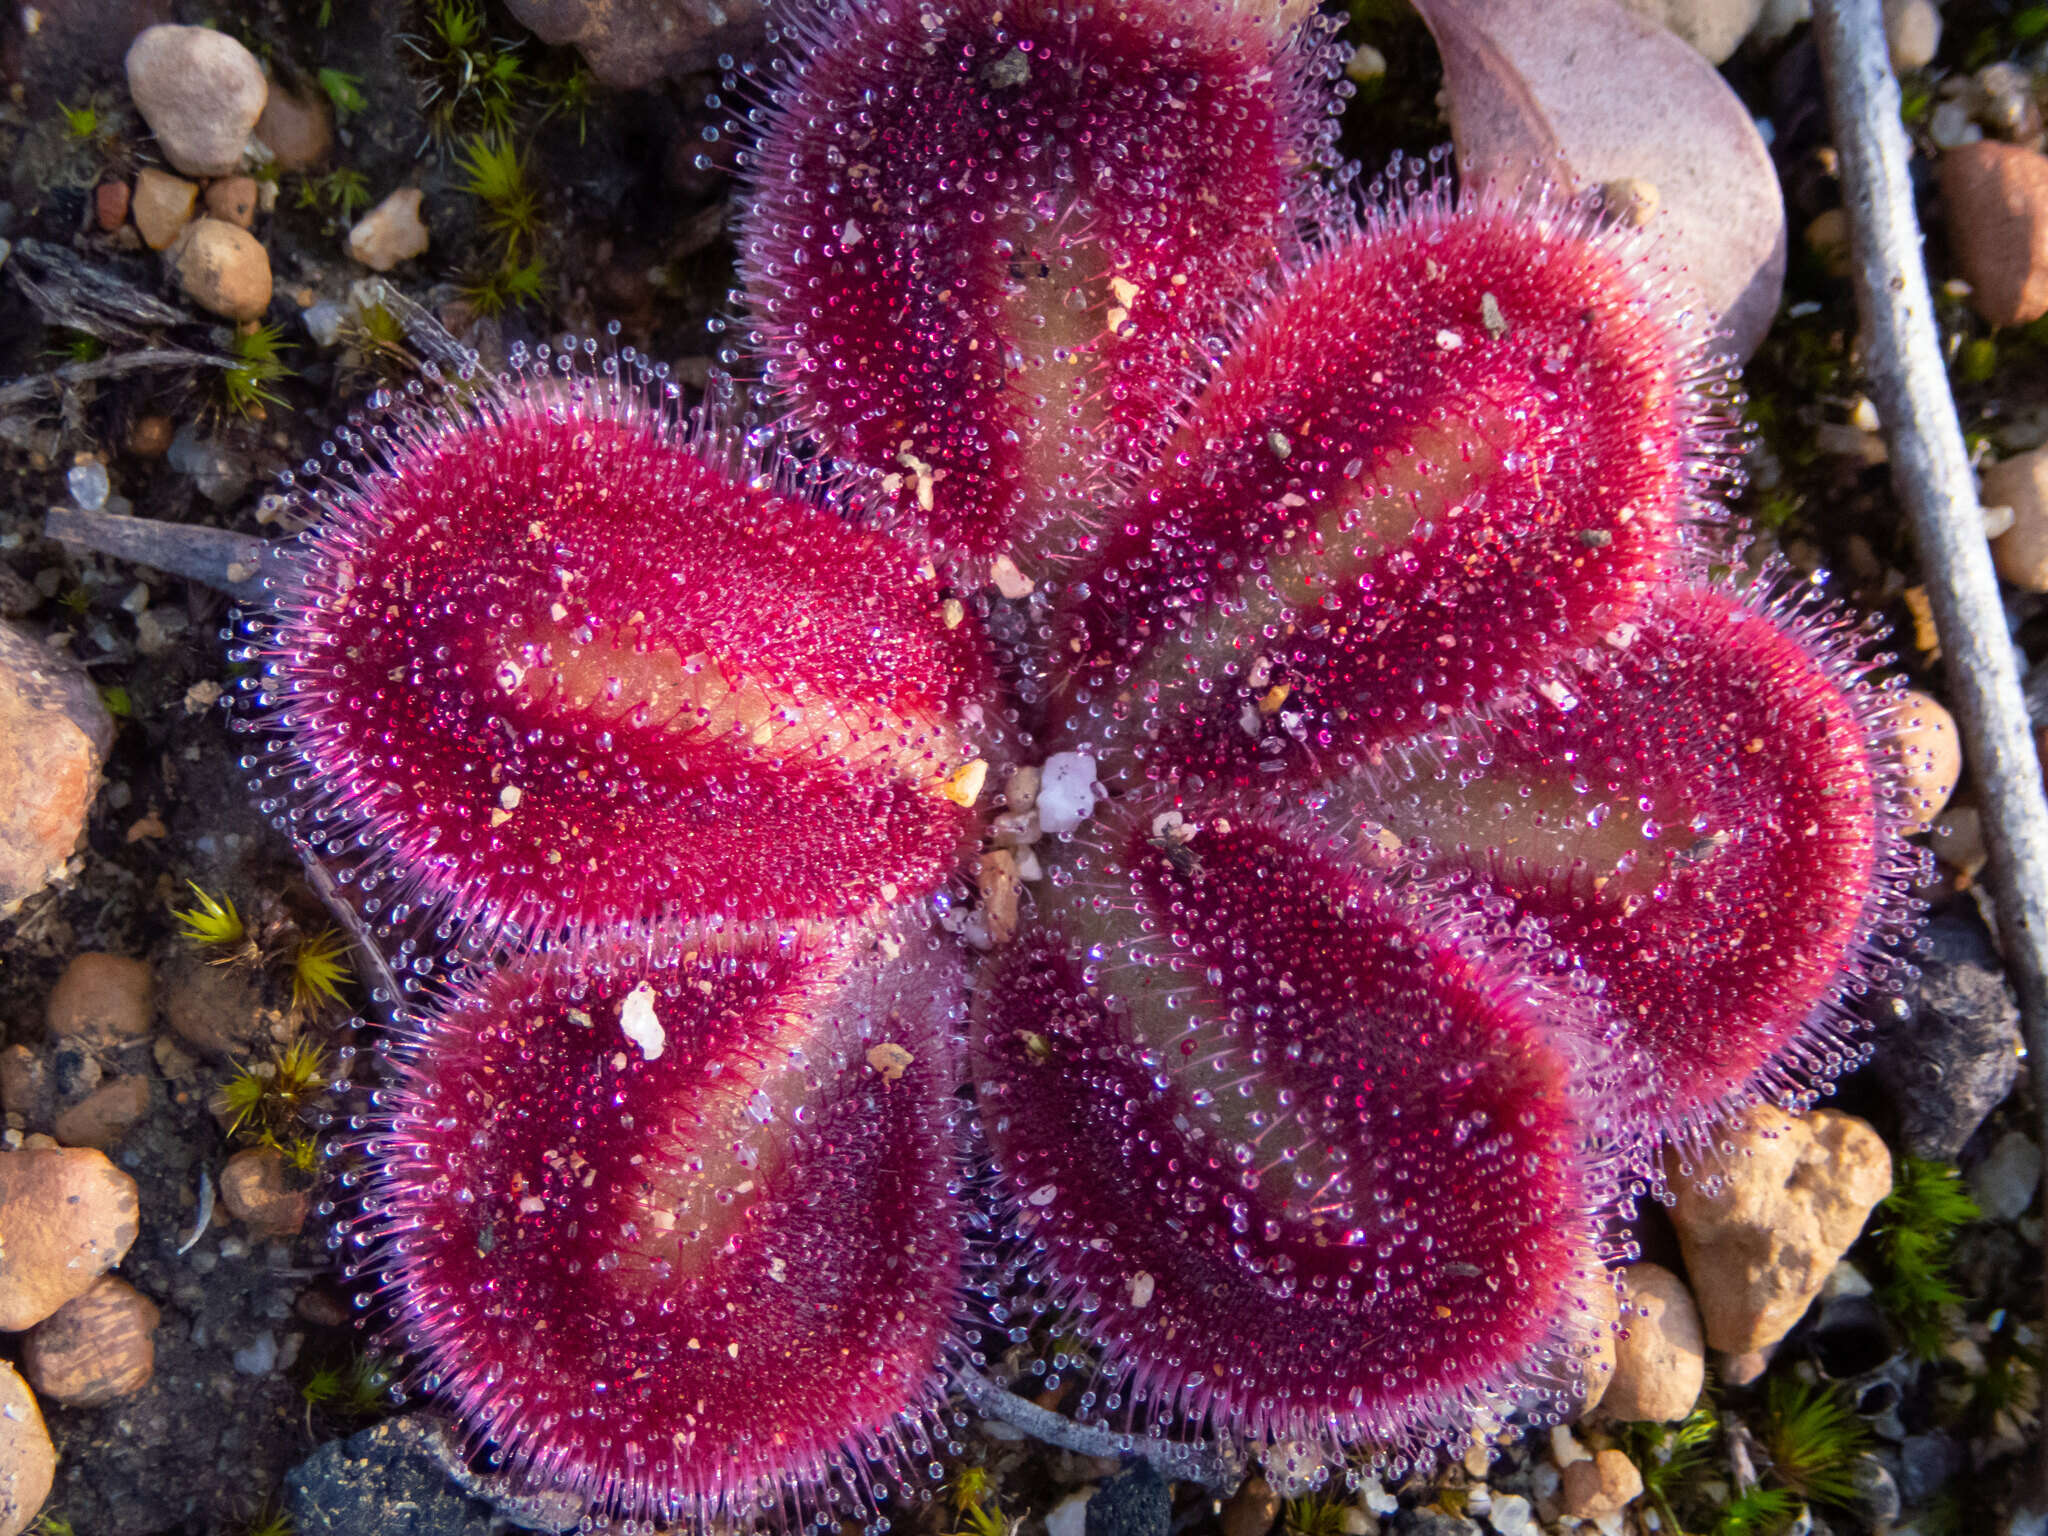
(1914, 1232)
(259, 363)
(1814, 1440)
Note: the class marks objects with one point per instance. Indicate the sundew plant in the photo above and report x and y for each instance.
(1182, 772)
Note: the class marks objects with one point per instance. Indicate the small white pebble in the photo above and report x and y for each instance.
(638, 1023)
(1376, 1498)
(1565, 1448)
(1511, 1515)
(1067, 792)
(1367, 63)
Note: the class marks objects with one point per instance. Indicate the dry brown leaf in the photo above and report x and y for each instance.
(1586, 93)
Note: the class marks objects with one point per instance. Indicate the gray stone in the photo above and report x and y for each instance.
(1434, 1522)
(384, 1481)
(1948, 1048)
(1926, 1463)
(1136, 1502)
(2005, 1181)
(633, 43)
(1876, 1492)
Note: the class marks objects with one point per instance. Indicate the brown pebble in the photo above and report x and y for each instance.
(2021, 552)
(28, 1461)
(149, 437)
(233, 199)
(1740, 1370)
(223, 270)
(67, 1216)
(1631, 200)
(105, 1115)
(1827, 237)
(1606, 1484)
(94, 1349)
(297, 130)
(997, 881)
(1251, 1510)
(1661, 1361)
(24, 1083)
(110, 205)
(163, 206)
(54, 735)
(389, 233)
(1996, 198)
(262, 1192)
(1930, 753)
(322, 1308)
(212, 1008)
(107, 1000)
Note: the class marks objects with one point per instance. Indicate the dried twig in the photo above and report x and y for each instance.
(1931, 470)
(70, 291)
(22, 391)
(1176, 1463)
(234, 563)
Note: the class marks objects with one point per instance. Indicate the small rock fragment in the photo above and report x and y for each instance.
(163, 206)
(2021, 552)
(1512, 1515)
(1912, 29)
(200, 91)
(28, 1461)
(389, 233)
(1996, 196)
(1660, 1364)
(1948, 1045)
(1069, 1517)
(1067, 792)
(1136, 1502)
(997, 881)
(1827, 237)
(258, 1357)
(1762, 1230)
(110, 205)
(149, 437)
(633, 43)
(297, 130)
(105, 1115)
(1366, 64)
(106, 1000)
(67, 1216)
(232, 200)
(212, 1008)
(1630, 200)
(1252, 1510)
(2004, 1183)
(95, 1348)
(25, 1087)
(260, 1190)
(222, 269)
(1715, 27)
(1930, 752)
(350, 1487)
(54, 734)
(1606, 1484)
